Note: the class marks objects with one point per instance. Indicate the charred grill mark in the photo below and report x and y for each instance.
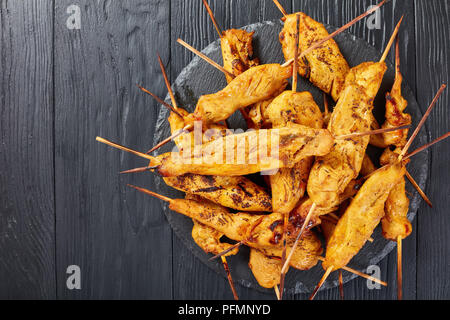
(275, 224)
(276, 238)
(237, 199)
(242, 186)
(209, 189)
(208, 180)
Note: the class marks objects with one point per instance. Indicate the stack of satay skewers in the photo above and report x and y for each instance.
(318, 175)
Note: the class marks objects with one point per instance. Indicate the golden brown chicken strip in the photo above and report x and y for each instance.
(206, 237)
(250, 152)
(263, 232)
(237, 51)
(254, 85)
(266, 270)
(332, 173)
(356, 226)
(233, 192)
(288, 184)
(236, 192)
(395, 222)
(325, 66)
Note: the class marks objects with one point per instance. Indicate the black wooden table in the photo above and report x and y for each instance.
(62, 201)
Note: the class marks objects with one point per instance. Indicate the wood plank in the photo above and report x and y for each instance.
(337, 13)
(118, 237)
(433, 68)
(27, 230)
(190, 21)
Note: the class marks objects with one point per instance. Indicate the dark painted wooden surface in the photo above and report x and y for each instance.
(62, 200)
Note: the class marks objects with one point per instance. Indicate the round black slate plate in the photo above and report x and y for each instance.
(200, 78)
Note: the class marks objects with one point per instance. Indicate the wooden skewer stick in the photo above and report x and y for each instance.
(399, 267)
(425, 146)
(325, 104)
(308, 217)
(141, 169)
(230, 279)
(420, 191)
(391, 40)
(361, 274)
(280, 7)
(324, 277)
(159, 100)
(216, 25)
(204, 57)
(118, 146)
(295, 69)
(277, 292)
(220, 254)
(166, 80)
(421, 123)
(341, 285)
(153, 194)
(371, 132)
(173, 136)
(286, 214)
(283, 255)
(335, 33)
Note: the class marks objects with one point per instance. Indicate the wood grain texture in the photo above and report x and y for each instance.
(433, 68)
(117, 236)
(27, 259)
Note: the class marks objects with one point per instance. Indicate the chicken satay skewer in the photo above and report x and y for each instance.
(286, 214)
(335, 33)
(291, 60)
(400, 158)
(311, 211)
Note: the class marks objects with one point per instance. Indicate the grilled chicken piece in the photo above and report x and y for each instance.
(237, 54)
(332, 173)
(395, 222)
(236, 192)
(263, 232)
(186, 142)
(233, 192)
(237, 51)
(356, 226)
(367, 166)
(298, 216)
(250, 152)
(395, 104)
(257, 112)
(206, 237)
(266, 270)
(288, 184)
(325, 66)
(254, 85)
